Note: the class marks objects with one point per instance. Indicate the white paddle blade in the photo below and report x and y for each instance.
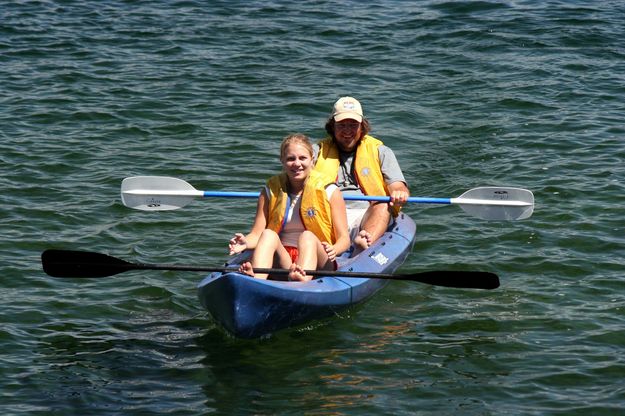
(157, 193)
(497, 203)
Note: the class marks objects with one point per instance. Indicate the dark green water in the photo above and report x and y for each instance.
(516, 93)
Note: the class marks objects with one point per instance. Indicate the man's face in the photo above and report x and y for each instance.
(347, 134)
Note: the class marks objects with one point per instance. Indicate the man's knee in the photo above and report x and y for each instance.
(377, 212)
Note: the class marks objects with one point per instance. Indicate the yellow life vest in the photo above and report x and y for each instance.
(315, 212)
(366, 165)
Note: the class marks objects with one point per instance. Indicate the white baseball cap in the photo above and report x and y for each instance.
(347, 107)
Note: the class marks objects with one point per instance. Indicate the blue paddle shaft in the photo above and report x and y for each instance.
(225, 194)
(420, 200)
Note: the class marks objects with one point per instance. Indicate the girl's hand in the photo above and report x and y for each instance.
(237, 244)
(330, 251)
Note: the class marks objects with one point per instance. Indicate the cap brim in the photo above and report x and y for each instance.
(350, 115)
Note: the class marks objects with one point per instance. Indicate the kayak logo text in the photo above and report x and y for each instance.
(380, 258)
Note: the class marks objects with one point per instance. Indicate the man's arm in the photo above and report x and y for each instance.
(394, 177)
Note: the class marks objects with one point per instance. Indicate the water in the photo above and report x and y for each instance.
(516, 93)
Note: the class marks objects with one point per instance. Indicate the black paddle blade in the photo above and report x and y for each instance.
(459, 279)
(69, 263)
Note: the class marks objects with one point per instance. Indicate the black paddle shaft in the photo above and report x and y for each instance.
(86, 264)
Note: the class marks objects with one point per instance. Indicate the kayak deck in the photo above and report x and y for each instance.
(249, 308)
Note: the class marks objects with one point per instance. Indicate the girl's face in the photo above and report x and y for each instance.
(297, 162)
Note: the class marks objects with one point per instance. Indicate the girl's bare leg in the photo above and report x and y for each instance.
(269, 247)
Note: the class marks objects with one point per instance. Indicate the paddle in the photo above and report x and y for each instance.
(85, 264)
(161, 193)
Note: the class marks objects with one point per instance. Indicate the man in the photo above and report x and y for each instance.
(361, 165)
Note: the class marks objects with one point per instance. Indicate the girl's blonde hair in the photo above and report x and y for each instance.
(295, 138)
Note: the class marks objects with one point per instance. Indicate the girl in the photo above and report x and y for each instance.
(300, 220)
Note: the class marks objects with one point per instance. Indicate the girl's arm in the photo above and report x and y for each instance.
(239, 242)
(339, 222)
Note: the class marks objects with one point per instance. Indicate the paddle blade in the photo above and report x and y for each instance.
(458, 279)
(68, 263)
(157, 193)
(497, 203)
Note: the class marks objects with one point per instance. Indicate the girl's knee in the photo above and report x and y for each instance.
(307, 237)
(269, 234)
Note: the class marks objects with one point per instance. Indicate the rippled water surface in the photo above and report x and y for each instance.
(516, 93)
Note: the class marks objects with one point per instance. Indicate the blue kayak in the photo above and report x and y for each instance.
(250, 308)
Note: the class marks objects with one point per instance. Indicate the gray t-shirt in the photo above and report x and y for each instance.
(346, 179)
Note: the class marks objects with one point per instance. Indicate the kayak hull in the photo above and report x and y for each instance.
(250, 308)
